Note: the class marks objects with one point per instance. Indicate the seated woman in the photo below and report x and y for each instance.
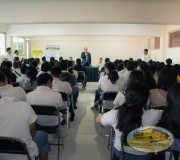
(114, 84)
(128, 117)
(158, 96)
(29, 83)
(135, 76)
(170, 119)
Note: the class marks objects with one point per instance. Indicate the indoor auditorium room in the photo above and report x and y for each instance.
(89, 80)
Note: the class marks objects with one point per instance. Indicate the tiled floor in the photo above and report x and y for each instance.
(84, 141)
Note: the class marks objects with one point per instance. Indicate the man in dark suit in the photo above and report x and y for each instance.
(86, 57)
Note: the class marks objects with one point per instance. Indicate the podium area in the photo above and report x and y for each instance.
(92, 74)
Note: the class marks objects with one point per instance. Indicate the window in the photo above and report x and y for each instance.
(2, 43)
(18, 44)
(154, 43)
(174, 39)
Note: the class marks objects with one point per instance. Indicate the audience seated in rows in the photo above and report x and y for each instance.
(45, 68)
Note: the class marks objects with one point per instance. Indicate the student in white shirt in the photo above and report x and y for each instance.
(23, 74)
(7, 56)
(125, 75)
(108, 67)
(45, 68)
(19, 121)
(128, 117)
(146, 57)
(134, 77)
(114, 84)
(16, 53)
(7, 90)
(16, 69)
(44, 95)
(125, 68)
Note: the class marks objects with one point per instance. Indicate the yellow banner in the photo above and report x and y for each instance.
(37, 52)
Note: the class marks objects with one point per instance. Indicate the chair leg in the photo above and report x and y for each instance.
(58, 146)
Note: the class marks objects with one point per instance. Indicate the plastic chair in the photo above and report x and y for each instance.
(49, 111)
(81, 79)
(12, 145)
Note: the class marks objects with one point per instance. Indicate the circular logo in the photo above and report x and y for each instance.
(150, 139)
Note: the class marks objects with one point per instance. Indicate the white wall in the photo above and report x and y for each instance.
(115, 47)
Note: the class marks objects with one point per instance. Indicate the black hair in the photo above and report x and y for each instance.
(56, 71)
(2, 77)
(31, 73)
(125, 63)
(23, 69)
(146, 50)
(60, 59)
(38, 60)
(15, 51)
(30, 60)
(52, 59)
(107, 60)
(109, 66)
(160, 66)
(16, 65)
(44, 78)
(113, 76)
(130, 113)
(166, 79)
(45, 67)
(169, 61)
(135, 76)
(152, 69)
(63, 64)
(70, 64)
(8, 49)
(11, 76)
(148, 78)
(120, 67)
(172, 111)
(135, 64)
(44, 59)
(177, 67)
(16, 58)
(34, 63)
(116, 62)
(130, 66)
(78, 61)
(6, 64)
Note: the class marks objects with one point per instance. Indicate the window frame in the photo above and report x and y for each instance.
(170, 32)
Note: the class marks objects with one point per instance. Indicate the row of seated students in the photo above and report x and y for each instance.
(141, 88)
(17, 117)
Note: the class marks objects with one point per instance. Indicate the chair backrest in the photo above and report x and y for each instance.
(81, 75)
(11, 145)
(64, 95)
(45, 110)
(109, 96)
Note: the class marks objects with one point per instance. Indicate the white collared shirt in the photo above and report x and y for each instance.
(9, 91)
(21, 78)
(146, 58)
(120, 99)
(15, 120)
(7, 57)
(15, 55)
(125, 77)
(61, 86)
(45, 96)
(102, 79)
(149, 118)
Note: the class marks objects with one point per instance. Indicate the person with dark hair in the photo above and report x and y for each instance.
(43, 59)
(170, 120)
(168, 62)
(71, 70)
(66, 76)
(16, 53)
(7, 56)
(34, 63)
(18, 120)
(52, 59)
(134, 77)
(23, 74)
(125, 68)
(128, 117)
(44, 95)
(108, 67)
(60, 59)
(114, 84)
(7, 90)
(148, 78)
(45, 68)
(125, 76)
(71, 60)
(16, 69)
(101, 71)
(120, 67)
(146, 57)
(158, 96)
(16, 59)
(30, 82)
(177, 68)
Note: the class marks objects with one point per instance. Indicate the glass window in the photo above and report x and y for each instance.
(154, 43)
(2, 43)
(18, 44)
(174, 39)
